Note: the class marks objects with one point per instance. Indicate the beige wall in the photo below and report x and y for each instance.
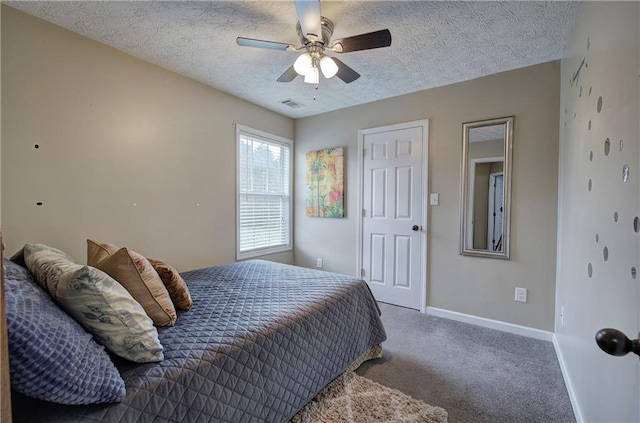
(492, 148)
(606, 37)
(115, 131)
(478, 286)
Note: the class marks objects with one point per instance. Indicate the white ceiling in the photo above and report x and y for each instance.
(487, 133)
(434, 43)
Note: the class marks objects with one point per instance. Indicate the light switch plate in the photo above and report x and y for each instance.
(434, 199)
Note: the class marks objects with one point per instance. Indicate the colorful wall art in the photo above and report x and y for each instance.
(325, 183)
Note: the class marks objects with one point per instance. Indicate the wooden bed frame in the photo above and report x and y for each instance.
(5, 389)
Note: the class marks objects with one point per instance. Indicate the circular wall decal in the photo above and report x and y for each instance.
(591, 156)
(625, 173)
(615, 217)
(589, 126)
(620, 145)
(597, 237)
(605, 253)
(634, 272)
(590, 270)
(590, 184)
(607, 146)
(636, 224)
(599, 104)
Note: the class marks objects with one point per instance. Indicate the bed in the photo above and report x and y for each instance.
(260, 341)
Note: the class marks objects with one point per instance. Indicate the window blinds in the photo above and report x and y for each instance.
(264, 217)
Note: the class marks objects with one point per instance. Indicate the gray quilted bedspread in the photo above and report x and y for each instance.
(260, 341)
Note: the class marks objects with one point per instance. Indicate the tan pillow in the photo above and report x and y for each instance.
(136, 274)
(174, 283)
(97, 251)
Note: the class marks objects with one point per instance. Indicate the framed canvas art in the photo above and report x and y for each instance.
(325, 183)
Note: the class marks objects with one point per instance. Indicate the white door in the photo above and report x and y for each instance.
(393, 244)
(496, 209)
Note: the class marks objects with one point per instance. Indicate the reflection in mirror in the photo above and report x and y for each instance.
(485, 191)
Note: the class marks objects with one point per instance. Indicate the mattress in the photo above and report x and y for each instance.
(260, 341)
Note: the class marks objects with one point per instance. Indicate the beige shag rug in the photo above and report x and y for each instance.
(356, 399)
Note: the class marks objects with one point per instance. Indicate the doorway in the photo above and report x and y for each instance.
(392, 224)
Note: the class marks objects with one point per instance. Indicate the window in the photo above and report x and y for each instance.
(263, 193)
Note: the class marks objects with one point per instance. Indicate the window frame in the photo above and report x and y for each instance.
(275, 139)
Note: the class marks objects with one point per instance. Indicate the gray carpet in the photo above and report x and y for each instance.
(476, 374)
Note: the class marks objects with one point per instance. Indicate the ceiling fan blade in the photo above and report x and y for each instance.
(251, 42)
(309, 16)
(288, 75)
(368, 41)
(345, 72)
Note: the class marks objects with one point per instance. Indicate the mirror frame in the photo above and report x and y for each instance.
(464, 188)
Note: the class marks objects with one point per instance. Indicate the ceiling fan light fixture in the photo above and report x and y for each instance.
(303, 64)
(328, 67)
(313, 76)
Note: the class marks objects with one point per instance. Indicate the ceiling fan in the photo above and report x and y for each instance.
(315, 33)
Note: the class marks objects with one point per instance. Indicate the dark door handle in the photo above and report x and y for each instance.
(415, 228)
(614, 342)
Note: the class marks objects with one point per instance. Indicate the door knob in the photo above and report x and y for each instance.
(415, 228)
(614, 342)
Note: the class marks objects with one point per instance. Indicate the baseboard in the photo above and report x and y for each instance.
(567, 382)
(491, 324)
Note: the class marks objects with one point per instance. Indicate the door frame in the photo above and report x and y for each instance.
(424, 124)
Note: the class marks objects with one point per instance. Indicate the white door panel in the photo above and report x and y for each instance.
(377, 258)
(402, 262)
(393, 201)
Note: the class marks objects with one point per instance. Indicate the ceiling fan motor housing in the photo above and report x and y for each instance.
(327, 32)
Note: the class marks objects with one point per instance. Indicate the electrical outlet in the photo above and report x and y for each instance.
(562, 315)
(319, 263)
(521, 295)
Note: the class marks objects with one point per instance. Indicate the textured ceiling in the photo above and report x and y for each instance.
(487, 133)
(434, 43)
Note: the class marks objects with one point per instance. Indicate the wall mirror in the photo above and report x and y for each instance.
(486, 188)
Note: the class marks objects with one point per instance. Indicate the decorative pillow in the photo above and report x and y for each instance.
(97, 302)
(174, 283)
(110, 313)
(136, 274)
(47, 264)
(97, 251)
(51, 356)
